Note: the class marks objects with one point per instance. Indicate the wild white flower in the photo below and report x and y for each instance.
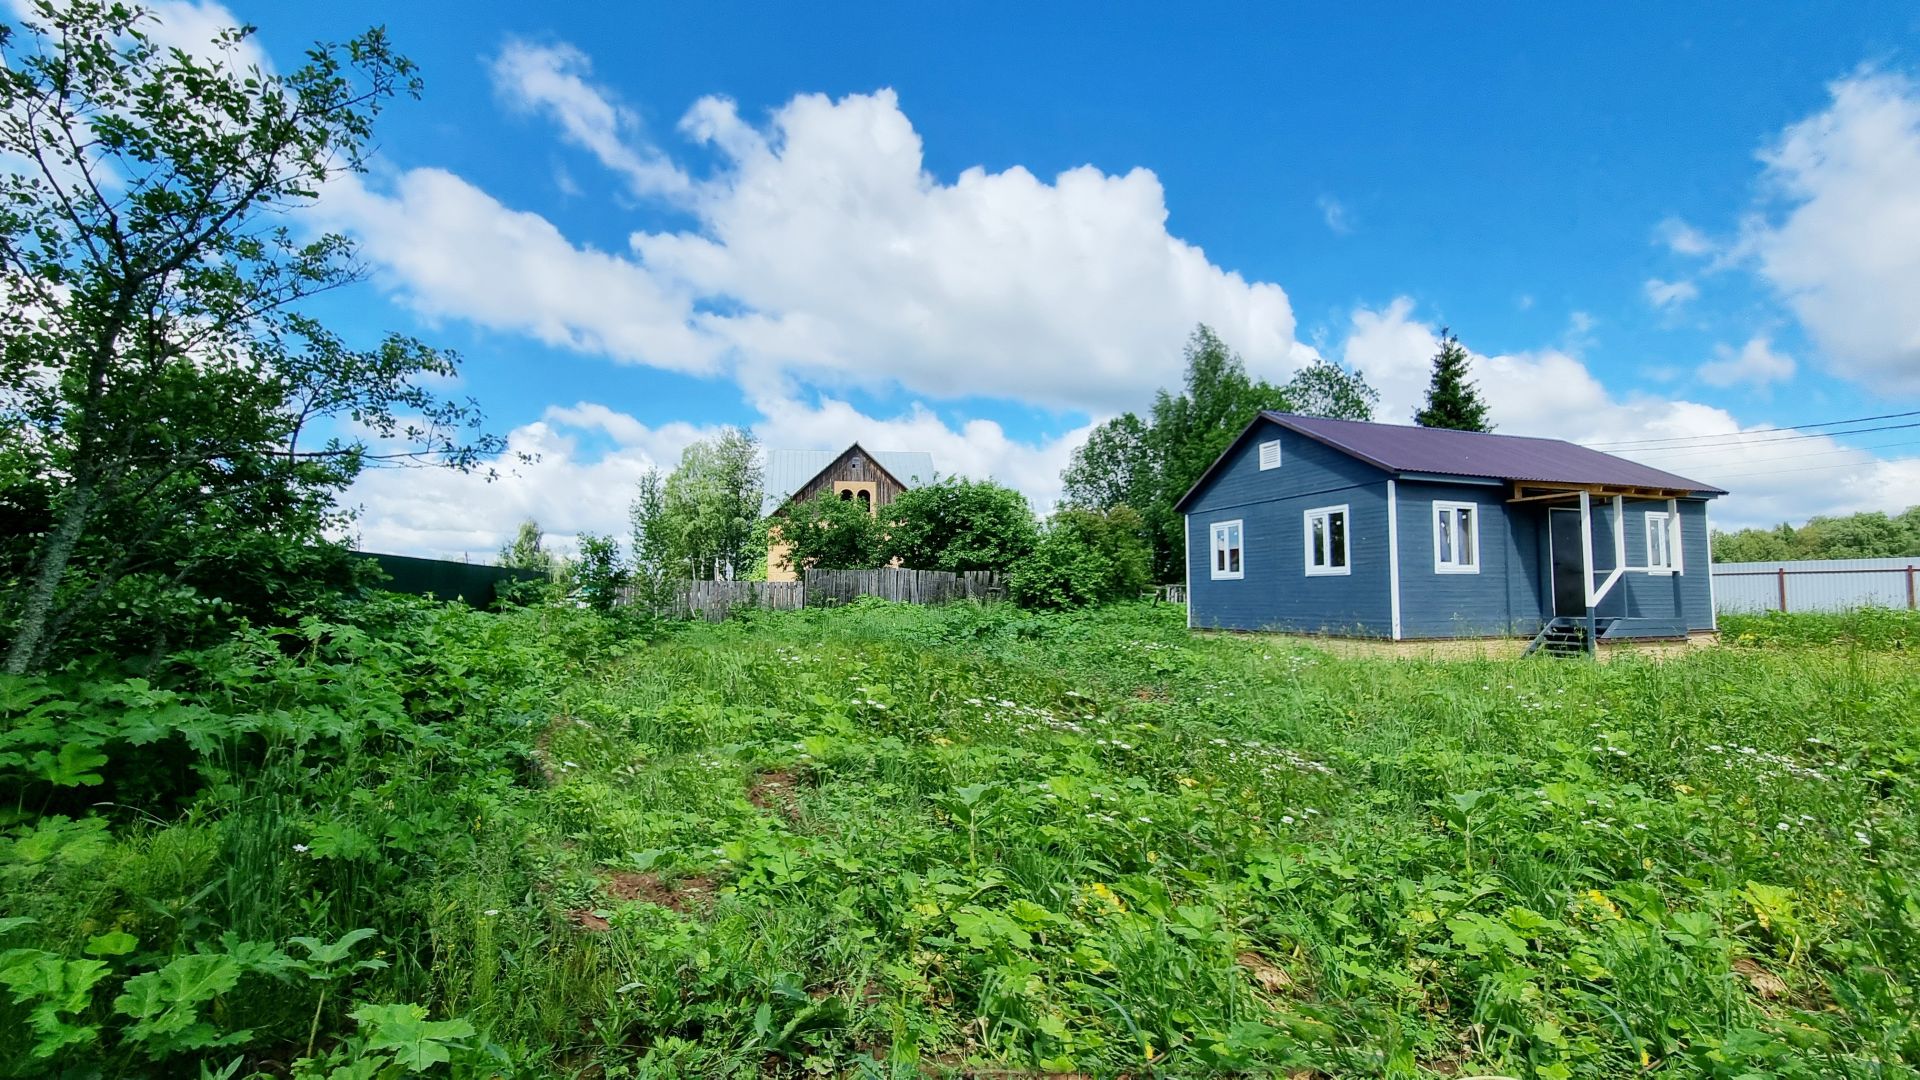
(1286, 819)
(300, 849)
(491, 912)
(1783, 826)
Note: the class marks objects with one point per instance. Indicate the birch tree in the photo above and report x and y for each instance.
(164, 384)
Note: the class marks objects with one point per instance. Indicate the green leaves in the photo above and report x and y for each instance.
(73, 766)
(113, 943)
(52, 985)
(165, 1004)
(415, 1043)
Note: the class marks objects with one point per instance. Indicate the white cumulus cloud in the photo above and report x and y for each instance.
(554, 81)
(1845, 251)
(1753, 364)
(825, 251)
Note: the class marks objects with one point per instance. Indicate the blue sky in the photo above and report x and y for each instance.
(1646, 223)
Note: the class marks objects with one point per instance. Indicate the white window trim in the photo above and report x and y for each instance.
(1274, 444)
(1214, 549)
(1664, 521)
(1473, 526)
(1346, 541)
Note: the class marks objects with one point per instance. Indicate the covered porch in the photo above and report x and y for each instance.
(1585, 530)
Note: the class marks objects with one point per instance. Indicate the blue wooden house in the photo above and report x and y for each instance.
(1309, 525)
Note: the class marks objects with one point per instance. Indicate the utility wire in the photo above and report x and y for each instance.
(1684, 439)
(1829, 453)
(1809, 468)
(1692, 449)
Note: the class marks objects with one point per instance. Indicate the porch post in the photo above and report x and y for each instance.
(1619, 533)
(1586, 547)
(1586, 568)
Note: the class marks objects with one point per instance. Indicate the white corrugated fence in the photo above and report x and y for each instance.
(1816, 584)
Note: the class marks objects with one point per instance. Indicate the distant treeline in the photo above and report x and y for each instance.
(1857, 536)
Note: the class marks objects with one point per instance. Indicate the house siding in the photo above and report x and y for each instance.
(1505, 598)
(1276, 593)
(1686, 597)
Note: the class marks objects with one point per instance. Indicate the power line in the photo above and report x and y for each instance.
(1809, 468)
(1830, 453)
(1777, 472)
(1768, 442)
(1682, 439)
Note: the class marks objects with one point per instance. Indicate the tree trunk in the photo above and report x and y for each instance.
(56, 553)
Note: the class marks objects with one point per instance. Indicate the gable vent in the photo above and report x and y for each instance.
(1270, 455)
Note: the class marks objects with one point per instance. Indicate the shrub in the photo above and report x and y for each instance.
(958, 525)
(599, 573)
(1085, 558)
(829, 533)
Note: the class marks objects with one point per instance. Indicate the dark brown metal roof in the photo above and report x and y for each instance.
(1404, 448)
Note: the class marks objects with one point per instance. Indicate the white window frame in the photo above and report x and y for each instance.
(1216, 549)
(1443, 510)
(1662, 524)
(1346, 540)
(1270, 446)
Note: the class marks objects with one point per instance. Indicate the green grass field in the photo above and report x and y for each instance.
(971, 841)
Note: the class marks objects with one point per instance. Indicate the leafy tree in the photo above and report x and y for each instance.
(526, 552)
(705, 515)
(1114, 467)
(657, 564)
(827, 532)
(1085, 557)
(1148, 465)
(957, 525)
(1191, 429)
(1219, 399)
(156, 367)
(1754, 545)
(599, 573)
(1452, 400)
(1324, 388)
(1868, 535)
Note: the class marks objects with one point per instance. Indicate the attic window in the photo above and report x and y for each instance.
(853, 465)
(1269, 455)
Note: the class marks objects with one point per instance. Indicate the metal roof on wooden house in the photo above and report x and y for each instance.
(1405, 448)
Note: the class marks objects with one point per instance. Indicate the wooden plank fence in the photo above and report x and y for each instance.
(831, 588)
(715, 600)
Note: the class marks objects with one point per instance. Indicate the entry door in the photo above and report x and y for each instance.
(1569, 574)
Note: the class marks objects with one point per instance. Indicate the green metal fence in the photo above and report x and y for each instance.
(445, 580)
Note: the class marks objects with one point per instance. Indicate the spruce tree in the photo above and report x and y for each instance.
(1452, 401)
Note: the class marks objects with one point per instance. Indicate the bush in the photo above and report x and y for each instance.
(599, 573)
(1085, 558)
(958, 525)
(829, 533)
